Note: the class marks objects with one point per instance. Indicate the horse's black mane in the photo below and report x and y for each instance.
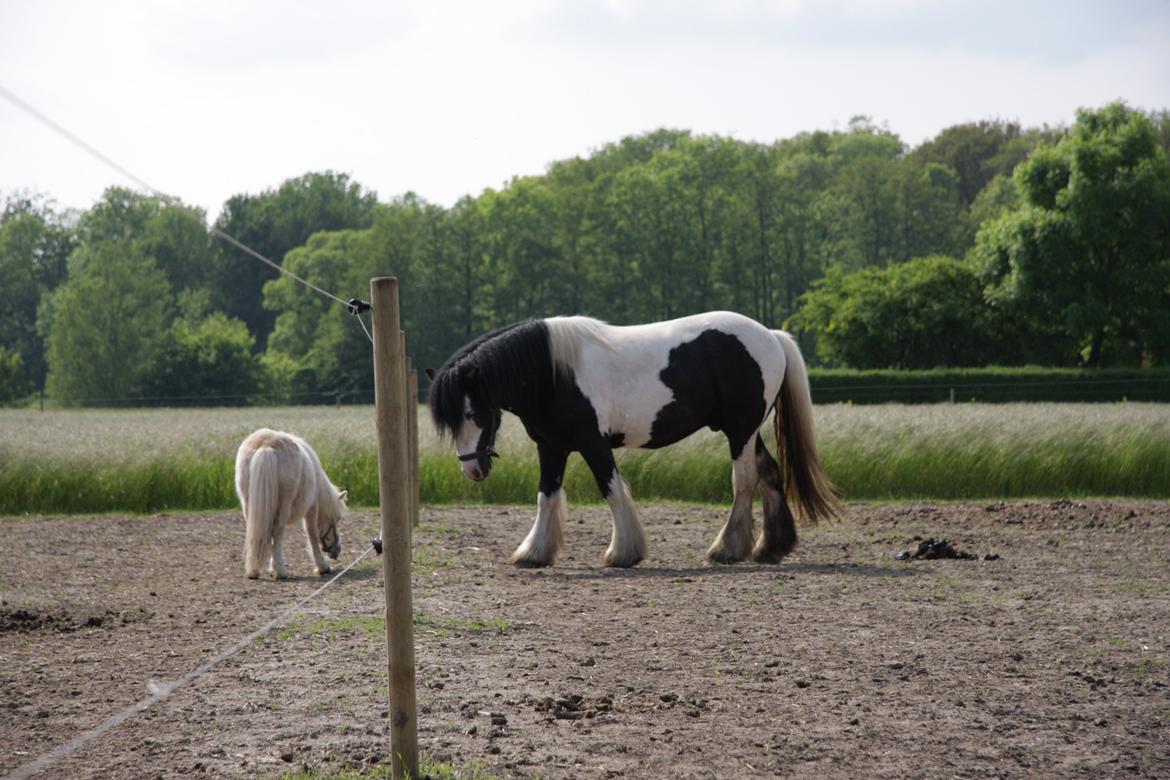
(506, 368)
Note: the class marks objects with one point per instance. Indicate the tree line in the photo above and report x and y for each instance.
(987, 244)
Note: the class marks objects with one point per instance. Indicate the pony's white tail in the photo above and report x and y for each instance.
(263, 481)
(805, 481)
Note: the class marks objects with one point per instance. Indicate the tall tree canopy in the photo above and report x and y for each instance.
(1070, 249)
(35, 243)
(272, 223)
(1090, 244)
(106, 324)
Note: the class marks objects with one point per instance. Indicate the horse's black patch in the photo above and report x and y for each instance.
(716, 383)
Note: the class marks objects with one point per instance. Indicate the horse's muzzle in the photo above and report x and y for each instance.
(477, 466)
(331, 543)
(477, 470)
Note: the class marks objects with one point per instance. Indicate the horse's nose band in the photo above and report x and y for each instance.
(488, 452)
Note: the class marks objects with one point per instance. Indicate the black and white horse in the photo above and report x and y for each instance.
(581, 385)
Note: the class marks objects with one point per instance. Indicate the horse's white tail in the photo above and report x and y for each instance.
(805, 481)
(263, 481)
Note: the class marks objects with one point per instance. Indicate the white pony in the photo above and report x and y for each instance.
(279, 479)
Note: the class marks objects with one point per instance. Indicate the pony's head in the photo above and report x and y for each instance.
(327, 519)
(461, 409)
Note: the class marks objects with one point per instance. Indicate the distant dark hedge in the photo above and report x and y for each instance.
(989, 385)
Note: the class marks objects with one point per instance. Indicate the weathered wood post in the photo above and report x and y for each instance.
(412, 432)
(394, 491)
(412, 416)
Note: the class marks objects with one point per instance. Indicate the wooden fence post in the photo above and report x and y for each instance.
(412, 417)
(394, 491)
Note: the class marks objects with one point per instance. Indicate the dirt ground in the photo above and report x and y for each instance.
(843, 661)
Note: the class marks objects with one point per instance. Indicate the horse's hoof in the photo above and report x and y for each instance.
(524, 563)
(723, 558)
(253, 575)
(615, 563)
(324, 572)
(767, 556)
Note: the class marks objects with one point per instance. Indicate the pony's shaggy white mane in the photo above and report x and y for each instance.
(567, 336)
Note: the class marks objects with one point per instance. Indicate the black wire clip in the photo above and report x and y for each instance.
(377, 543)
(357, 306)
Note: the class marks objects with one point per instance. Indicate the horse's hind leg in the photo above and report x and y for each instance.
(279, 523)
(540, 547)
(779, 534)
(734, 542)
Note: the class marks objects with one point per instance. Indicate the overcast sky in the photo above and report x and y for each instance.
(205, 100)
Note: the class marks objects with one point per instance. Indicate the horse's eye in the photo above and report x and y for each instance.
(468, 415)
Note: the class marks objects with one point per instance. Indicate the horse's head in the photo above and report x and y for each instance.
(327, 527)
(461, 408)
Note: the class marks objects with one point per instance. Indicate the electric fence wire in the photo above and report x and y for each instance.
(354, 306)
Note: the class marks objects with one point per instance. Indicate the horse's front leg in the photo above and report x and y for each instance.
(734, 542)
(627, 546)
(313, 532)
(543, 542)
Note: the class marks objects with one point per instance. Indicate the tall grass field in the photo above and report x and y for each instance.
(168, 459)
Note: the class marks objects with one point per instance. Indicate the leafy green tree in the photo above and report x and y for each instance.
(1090, 245)
(174, 235)
(106, 325)
(272, 223)
(977, 152)
(11, 376)
(448, 303)
(205, 361)
(526, 270)
(999, 197)
(924, 313)
(928, 212)
(35, 243)
(324, 346)
(178, 240)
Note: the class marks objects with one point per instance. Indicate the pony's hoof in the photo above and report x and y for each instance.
(325, 571)
(253, 575)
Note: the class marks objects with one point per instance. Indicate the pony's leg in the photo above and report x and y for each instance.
(779, 534)
(279, 523)
(734, 541)
(251, 567)
(627, 546)
(314, 535)
(543, 542)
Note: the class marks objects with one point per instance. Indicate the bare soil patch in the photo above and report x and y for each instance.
(842, 661)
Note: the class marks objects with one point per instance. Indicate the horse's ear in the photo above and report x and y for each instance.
(430, 372)
(343, 495)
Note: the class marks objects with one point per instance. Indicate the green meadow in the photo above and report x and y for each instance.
(145, 460)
